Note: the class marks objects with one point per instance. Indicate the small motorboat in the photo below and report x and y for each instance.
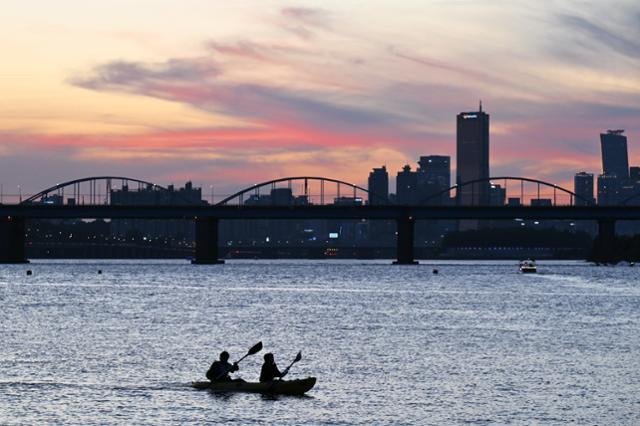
(276, 387)
(528, 266)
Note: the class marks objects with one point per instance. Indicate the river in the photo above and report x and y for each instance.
(477, 343)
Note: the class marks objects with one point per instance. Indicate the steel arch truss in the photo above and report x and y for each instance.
(350, 189)
(95, 196)
(573, 196)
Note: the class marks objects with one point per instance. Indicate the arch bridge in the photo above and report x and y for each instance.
(93, 198)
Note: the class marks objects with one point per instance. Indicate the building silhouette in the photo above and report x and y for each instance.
(407, 186)
(617, 182)
(437, 169)
(379, 186)
(472, 157)
(152, 196)
(472, 162)
(497, 195)
(583, 187)
(615, 159)
(433, 177)
(609, 187)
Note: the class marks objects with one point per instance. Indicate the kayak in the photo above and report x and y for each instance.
(283, 387)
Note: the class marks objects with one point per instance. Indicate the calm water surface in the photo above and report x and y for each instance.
(478, 343)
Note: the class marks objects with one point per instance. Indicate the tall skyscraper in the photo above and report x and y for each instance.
(615, 160)
(378, 185)
(583, 187)
(472, 157)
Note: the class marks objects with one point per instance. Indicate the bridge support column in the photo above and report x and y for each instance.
(606, 241)
(404, 241)
(12, 230)
(206, 242)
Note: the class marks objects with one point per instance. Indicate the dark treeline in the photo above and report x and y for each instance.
(95, 239)
(518, 237)
(627, 248)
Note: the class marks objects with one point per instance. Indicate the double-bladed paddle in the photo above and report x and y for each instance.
(254, 350)
(286, 370)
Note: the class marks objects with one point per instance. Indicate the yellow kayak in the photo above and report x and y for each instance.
(282, 387)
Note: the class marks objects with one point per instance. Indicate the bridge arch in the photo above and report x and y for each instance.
(573, 196)
(351, 189)
(94, 193)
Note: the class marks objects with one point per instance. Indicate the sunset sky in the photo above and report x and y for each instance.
(230, 93)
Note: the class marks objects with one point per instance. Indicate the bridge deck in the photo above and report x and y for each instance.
(322, 212)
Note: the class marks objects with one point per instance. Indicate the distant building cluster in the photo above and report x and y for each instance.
(618, 184)
(429, 183)
(150, 195)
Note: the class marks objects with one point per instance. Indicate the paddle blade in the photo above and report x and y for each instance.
(298, 357)
(255, 349)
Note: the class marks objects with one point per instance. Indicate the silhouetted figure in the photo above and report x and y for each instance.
(269, 369)
(219, 370)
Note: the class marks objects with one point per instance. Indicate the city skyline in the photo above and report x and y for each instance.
(330, 88)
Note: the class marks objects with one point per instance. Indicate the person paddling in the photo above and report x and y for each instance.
(219, 370)
(269, 369)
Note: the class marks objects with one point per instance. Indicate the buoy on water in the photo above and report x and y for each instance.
(29, 272)
(99, 271)
(435, 271)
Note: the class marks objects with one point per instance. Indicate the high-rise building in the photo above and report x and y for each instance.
(379, 231)
(434, 178)
(378, 186)
(615, 160)
(472, 157)
(406, 186)
(583, 187)
(436, 169)
(609, 186)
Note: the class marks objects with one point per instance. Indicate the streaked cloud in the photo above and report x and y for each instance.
(329, 90)
(303, 21)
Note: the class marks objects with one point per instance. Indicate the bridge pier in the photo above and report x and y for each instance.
(404, 241)
(12, 239)
(606, 241)
(206, 242)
